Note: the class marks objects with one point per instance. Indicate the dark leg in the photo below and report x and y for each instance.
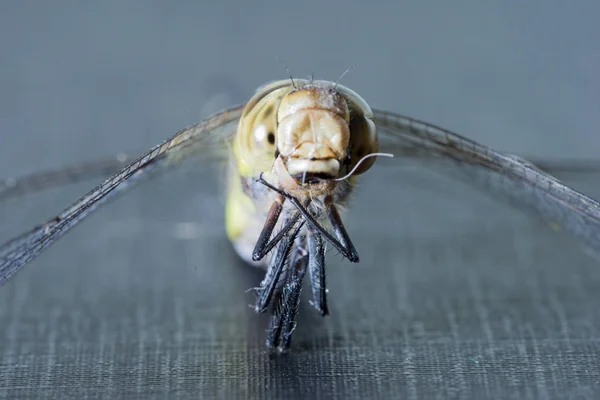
(276, 322)
(292, 301)
(283, 321)
(316, 271)
(340, 230)
(274, 212)
(348, 252)
(263, 247)
(282, 252)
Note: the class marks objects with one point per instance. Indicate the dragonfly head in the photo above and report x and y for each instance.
(315, 130)
(313, 133)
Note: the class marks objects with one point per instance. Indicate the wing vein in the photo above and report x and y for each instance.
(500, 173)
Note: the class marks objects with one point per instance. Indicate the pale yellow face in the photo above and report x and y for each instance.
(318, 130)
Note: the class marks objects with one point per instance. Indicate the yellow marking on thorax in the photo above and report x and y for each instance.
(239, 209)
(242, 166)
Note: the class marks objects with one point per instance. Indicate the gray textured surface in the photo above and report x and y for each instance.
(456, 295)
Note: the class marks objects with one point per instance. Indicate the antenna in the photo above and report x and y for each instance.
(344, 74)
(288, 71)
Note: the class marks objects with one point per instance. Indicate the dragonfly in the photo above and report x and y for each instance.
(294, 152)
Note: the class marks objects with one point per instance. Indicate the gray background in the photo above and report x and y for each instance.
(456, 295)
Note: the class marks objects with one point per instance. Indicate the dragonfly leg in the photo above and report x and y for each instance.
(286, 228)
(263, 239)
(346, 248)
(340, 230)
(276, 322)
(283, 321)
(316, 271)
(263, 247)
(276, 266)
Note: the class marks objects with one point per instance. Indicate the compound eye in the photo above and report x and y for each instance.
(257, 132)
(363, 141)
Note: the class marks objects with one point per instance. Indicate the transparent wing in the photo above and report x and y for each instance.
(502, 174)
(38, 181)
(15, 187)
(210, 137)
